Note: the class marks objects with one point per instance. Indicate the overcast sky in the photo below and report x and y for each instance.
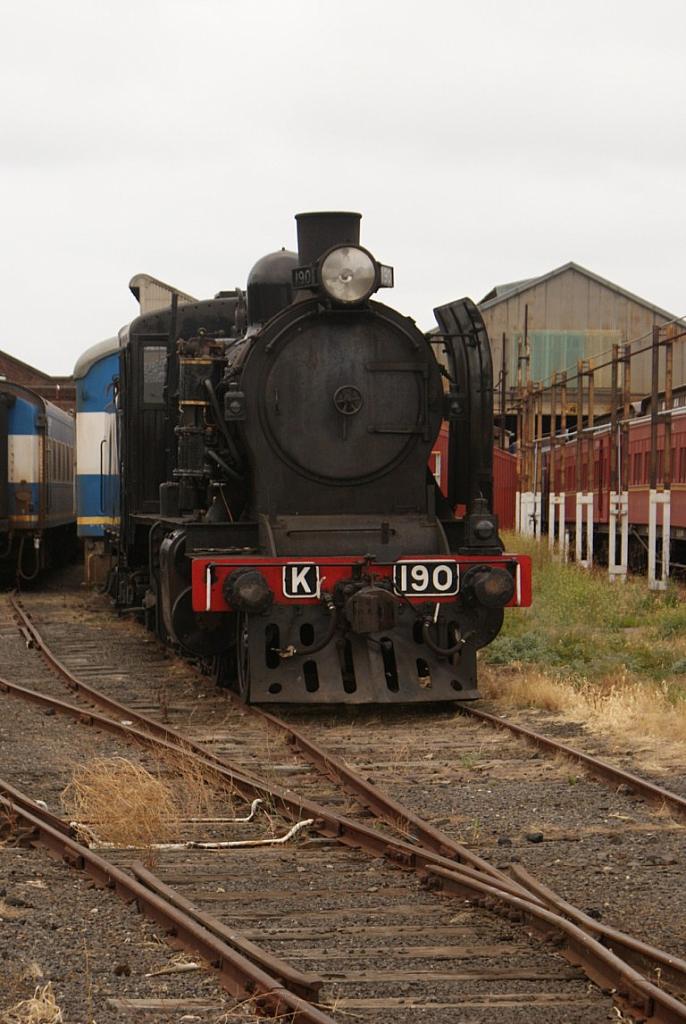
(482, 142)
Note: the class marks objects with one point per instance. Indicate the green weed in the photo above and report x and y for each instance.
(582, 627)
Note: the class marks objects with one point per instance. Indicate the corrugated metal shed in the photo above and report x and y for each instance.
(573, 314)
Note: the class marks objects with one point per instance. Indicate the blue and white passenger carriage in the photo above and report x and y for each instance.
(97, 472)
(36, 480)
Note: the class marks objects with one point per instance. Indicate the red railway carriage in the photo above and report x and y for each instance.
(562, 476)
(504, 478)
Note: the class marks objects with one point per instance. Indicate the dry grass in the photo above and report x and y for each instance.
(125, 803)
(522, 688)
(41, 1008)
(198, 788)
(611, 656)
(128, 805)
(622, 708)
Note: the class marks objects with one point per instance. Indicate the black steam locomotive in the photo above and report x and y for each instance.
(278, 518)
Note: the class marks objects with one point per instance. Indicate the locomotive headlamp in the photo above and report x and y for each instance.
(348, 274)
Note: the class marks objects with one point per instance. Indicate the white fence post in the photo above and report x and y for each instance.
(655, 499)
(556, 522)
(527, 512)
(666, 533)
(578, 535)
(584, 501)
(619, 510)
(589, 531)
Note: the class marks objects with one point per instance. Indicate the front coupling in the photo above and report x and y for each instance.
(371, 610)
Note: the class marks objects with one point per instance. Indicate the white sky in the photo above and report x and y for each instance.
(482, 142)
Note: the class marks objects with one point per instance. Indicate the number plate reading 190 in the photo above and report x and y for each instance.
(426, 579)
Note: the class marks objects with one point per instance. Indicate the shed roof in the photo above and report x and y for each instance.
(502, 292)
(499, 291)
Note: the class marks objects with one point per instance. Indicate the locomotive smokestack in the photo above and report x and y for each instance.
(318, 232)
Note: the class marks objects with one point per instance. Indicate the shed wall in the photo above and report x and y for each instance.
(570, 317)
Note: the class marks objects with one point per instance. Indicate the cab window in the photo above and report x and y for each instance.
(154, 374)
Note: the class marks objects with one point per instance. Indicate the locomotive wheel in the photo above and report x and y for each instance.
(203, 635)
(224, 669)
(242, 684)
(231, 669)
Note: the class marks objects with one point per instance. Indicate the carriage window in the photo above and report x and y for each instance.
(154, 374)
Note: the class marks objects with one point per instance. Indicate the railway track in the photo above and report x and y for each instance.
(495, 971)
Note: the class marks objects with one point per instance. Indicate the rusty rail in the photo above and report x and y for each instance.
(304, 984)
(236, 973)
(631, 989)
(599, 769)
(634, 993)
(486, 886)
(383, 806)
(19, 798)
(646, 958)
(380, 804)
(326, 822)
(99, 699)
